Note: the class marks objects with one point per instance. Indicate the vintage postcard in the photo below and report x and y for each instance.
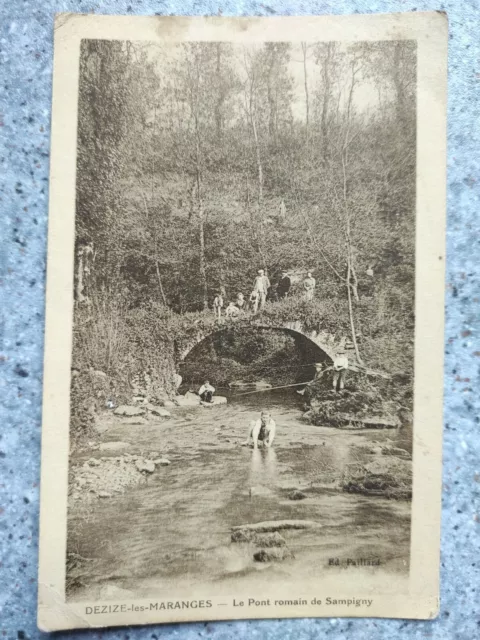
(244, 337)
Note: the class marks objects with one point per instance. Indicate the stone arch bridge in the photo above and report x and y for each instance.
(326, 344)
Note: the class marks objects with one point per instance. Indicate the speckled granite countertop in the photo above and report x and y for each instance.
(25, 95)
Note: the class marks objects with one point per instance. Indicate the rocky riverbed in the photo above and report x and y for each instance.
(101, 477)
(103, 468)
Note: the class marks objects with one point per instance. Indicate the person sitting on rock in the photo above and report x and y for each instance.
(340, 366)
(206, 392)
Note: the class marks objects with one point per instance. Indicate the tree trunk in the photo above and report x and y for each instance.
(348, 241)
(159, 278)
(153, 154)
(220, 95)
(198, 180)
(271, 99)
(350, 311)
(326, 101)
(201, 221)
(155, 251)
(307, 102)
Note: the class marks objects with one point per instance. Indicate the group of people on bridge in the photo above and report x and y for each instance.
(262, 291)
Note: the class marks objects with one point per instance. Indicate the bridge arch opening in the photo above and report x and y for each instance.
(276, 355)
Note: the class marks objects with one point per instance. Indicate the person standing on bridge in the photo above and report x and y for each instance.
(253, 301)
(309, 286)
(283, 286)
(218, 305)
(261, 286)
(340, 366)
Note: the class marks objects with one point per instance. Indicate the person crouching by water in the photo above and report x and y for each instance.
(206, 392)
(262, 430)
(340, 366)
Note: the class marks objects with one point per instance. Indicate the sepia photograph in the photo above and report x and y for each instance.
(243, 346)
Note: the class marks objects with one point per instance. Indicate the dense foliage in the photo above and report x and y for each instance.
(200, 163)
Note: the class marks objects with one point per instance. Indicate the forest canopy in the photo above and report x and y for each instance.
(199, 163)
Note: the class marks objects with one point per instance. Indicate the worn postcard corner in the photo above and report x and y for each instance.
(244, 339)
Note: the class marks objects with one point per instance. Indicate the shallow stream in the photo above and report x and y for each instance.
(171, 535)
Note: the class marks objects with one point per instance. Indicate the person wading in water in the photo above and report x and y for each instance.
(262, 430)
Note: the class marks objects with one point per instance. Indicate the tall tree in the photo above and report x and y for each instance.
(307, 97)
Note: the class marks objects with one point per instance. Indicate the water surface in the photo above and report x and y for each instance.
(172, 533)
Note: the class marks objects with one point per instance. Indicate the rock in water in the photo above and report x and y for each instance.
(129, 411)
(277, 525)
(145, 465)
(159, 411)
(388, 476)
(168, 404)
(389, 450)
(219, 400)
(104, 494)
(164, 462)
(297, 495)
(264, 540)
(268, 540)
(273, 554)
(113, 446)
(188, 400)
(242, 535)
